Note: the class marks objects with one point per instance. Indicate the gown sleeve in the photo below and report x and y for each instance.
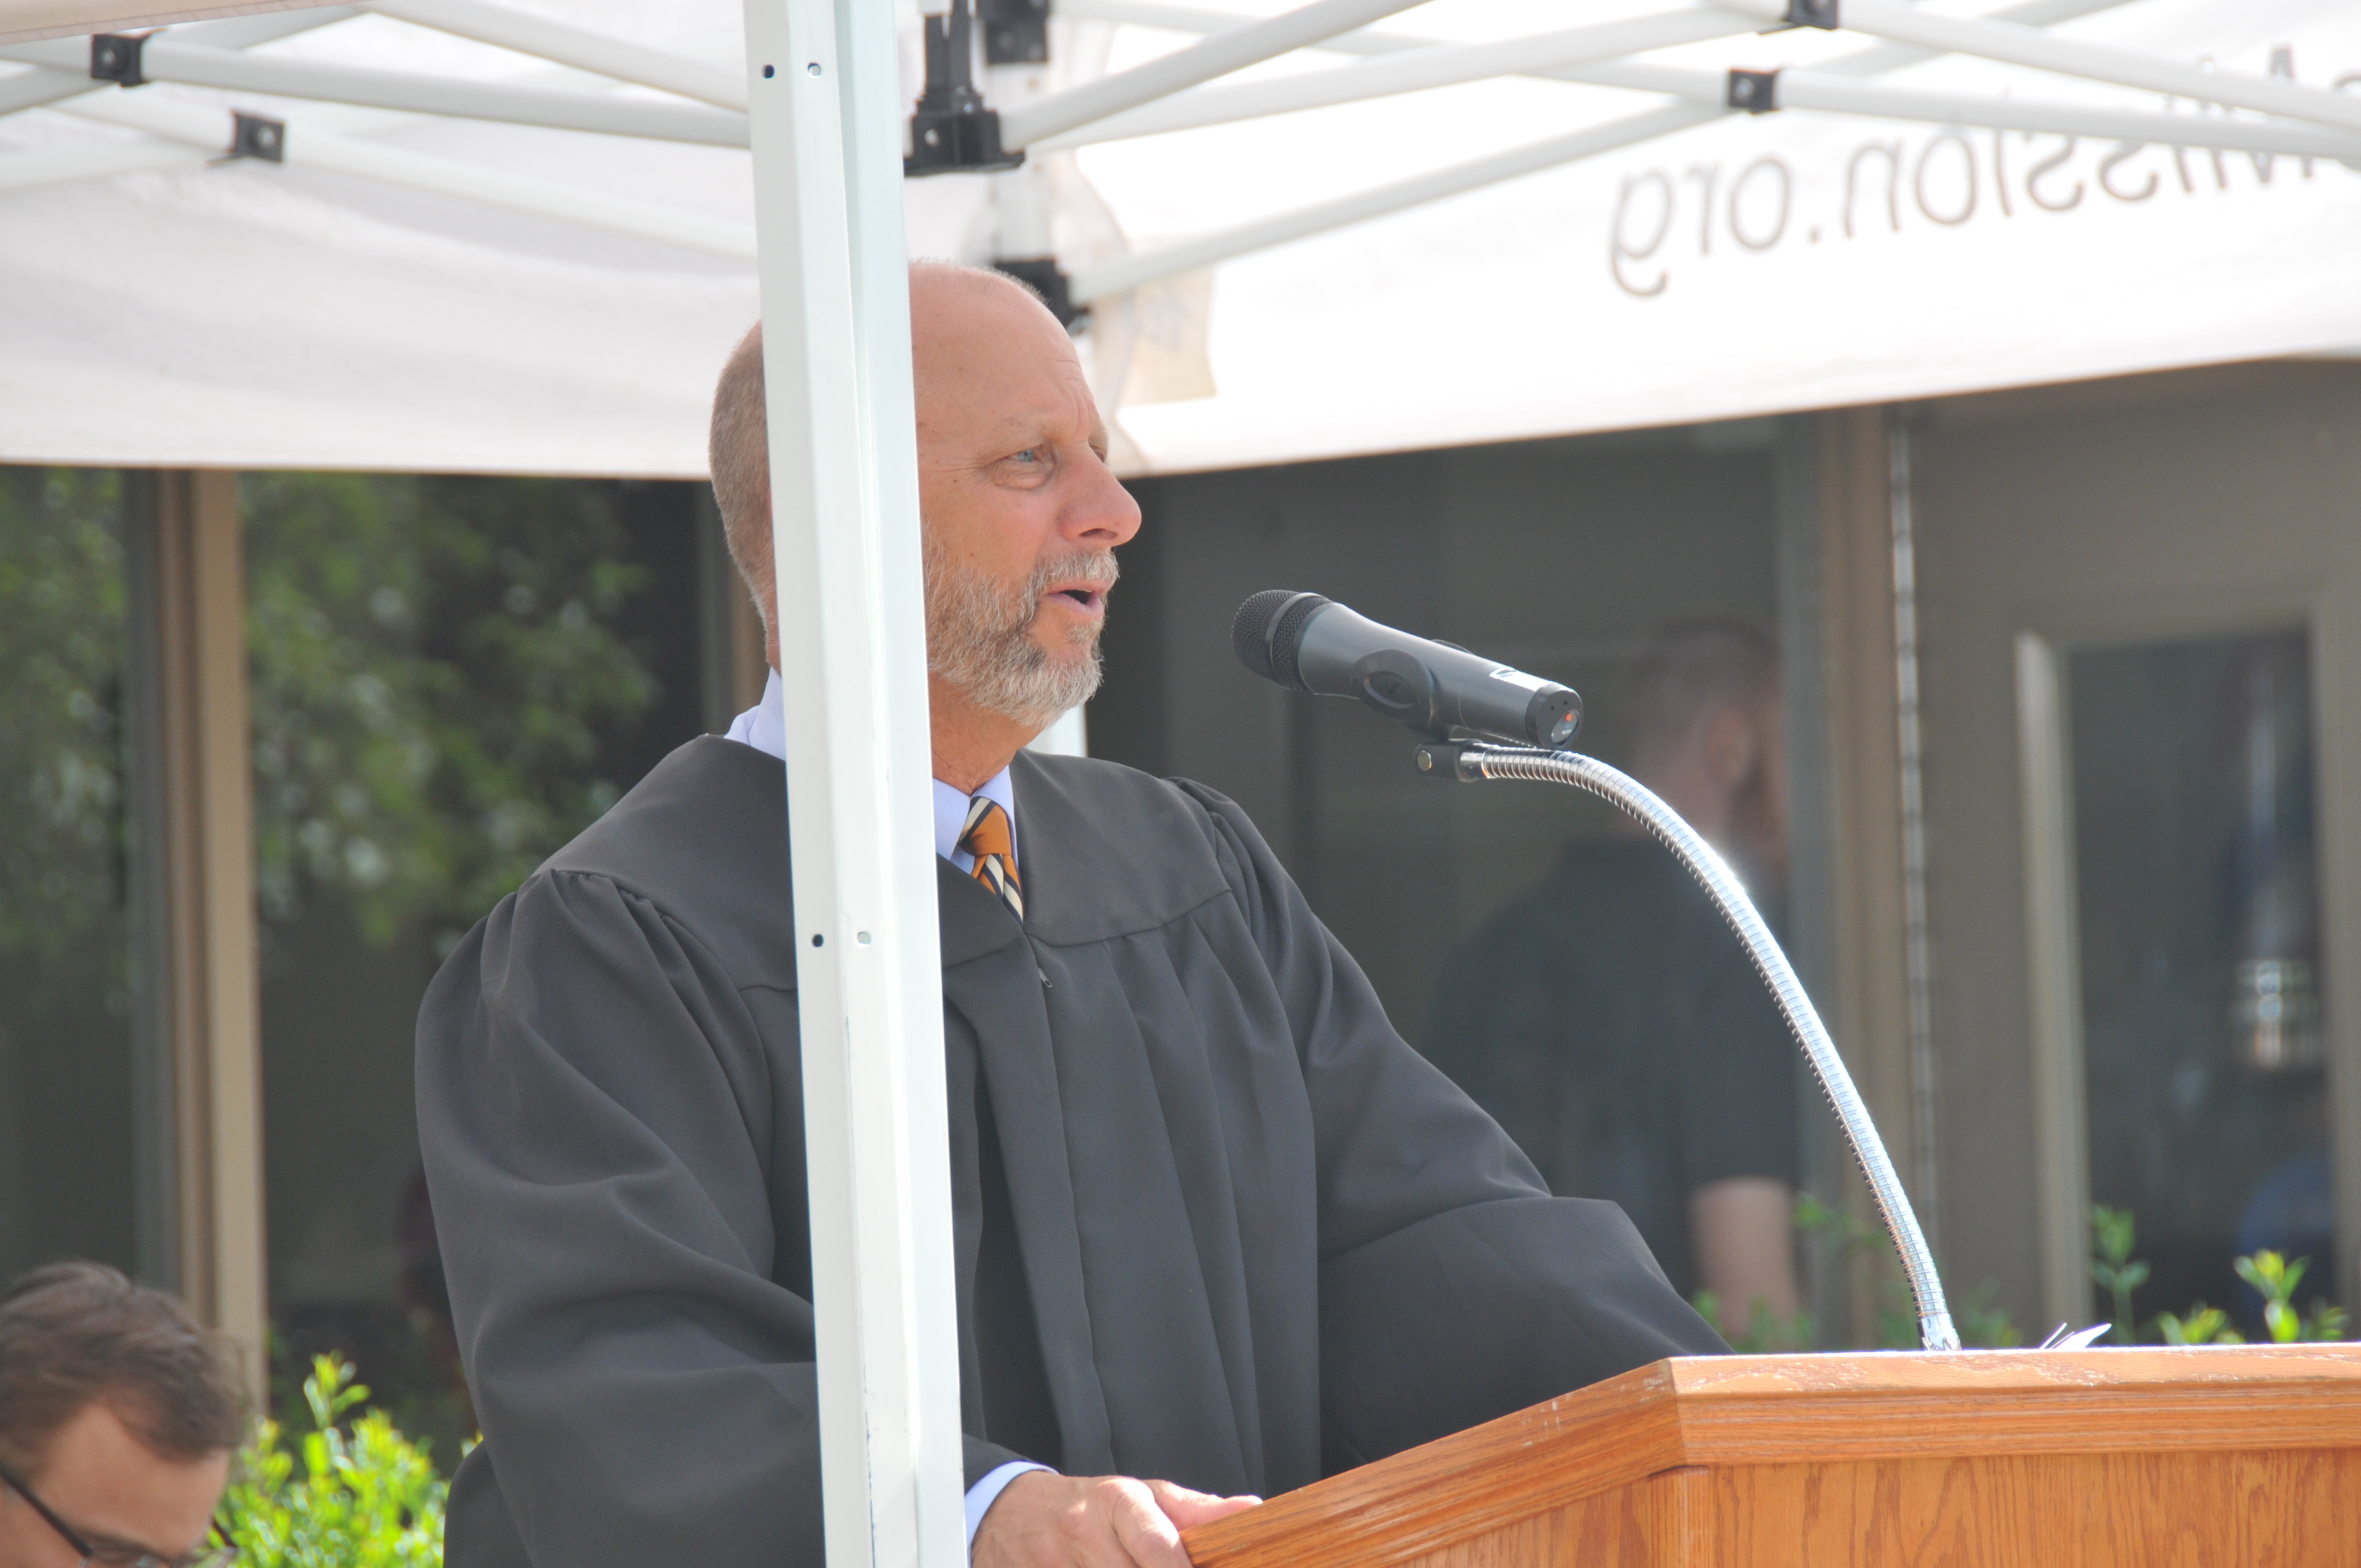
(1453, 1288)
(616, 1163)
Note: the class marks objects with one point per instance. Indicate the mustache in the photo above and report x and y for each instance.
(1088, 568)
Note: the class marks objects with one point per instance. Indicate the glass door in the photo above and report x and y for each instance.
(2202, 989)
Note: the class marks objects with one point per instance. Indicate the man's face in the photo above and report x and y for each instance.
(105, 1482)
(1021, 512)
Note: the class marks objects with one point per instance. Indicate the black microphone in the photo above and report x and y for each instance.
(1314, 644)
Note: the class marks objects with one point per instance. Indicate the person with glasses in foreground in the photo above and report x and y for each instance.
(118, 1417)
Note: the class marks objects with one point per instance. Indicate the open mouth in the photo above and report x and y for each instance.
(1090, 601)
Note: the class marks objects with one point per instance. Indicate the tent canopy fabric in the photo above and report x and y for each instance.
(412, 290)
(24, 20)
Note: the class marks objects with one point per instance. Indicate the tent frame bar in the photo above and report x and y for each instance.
(562, 44)
(165, 59)
(1988, 37)
(1413, 70)
(1215, 55)
(1121, 274)
(205, 128)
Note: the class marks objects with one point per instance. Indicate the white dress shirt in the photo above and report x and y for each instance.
(763, 726)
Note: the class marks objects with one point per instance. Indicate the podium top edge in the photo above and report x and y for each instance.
(1822, 1409)
(2127, 1367)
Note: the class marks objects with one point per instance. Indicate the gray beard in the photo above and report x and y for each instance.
(979, 637)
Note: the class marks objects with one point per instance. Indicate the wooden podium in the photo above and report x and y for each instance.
(2242, 1456)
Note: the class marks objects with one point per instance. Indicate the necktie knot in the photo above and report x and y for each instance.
(987, 836)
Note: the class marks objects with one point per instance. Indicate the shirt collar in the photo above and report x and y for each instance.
(764, 728)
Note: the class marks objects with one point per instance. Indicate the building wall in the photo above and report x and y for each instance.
(2149, 504)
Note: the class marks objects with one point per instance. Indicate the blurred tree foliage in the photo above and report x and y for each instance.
(436, 667)
(61, 649)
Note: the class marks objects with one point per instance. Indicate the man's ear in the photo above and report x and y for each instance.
(1730, 746)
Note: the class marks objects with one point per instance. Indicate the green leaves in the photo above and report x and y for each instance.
(436, 666)
(2275, 1280)
(61, 663)
(2114, 1234)
(1982, 1324)
(365, 1497)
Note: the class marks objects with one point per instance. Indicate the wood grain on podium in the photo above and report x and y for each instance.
(2230, 1455)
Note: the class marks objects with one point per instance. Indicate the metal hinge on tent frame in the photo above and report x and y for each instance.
(258, 136)
(1015, 32)
(1756, 92)
(952, 130)
(115, 57)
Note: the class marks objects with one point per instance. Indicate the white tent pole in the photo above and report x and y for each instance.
(1873, 60)
(56, 165)
(1127, 272)
(1831, 94)
(576, 47)
(1216, 56)
(1409, 72)
(164, 60)
(47, 84)
(1842, 95)
(31, 89)
(207, 129)
(267, 27)
(822, 85)
(1121, 274)
(1174, 18)
(1988, 38)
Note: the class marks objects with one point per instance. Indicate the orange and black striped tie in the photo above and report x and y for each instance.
(987, 836)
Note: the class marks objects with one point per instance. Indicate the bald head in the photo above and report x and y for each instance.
(1019, 513)
(960, 316)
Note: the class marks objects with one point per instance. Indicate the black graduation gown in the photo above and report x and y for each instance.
(1263, 1240)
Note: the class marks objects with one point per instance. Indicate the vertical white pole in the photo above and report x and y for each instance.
(822, 90)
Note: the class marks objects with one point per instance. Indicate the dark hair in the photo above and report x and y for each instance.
(1688, 670)
(71, 1333)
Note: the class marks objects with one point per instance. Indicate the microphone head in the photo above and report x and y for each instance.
(1269, 629)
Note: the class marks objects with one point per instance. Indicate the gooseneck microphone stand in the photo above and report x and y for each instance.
(1471, 761)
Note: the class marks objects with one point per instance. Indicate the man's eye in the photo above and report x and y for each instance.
(1030, 454)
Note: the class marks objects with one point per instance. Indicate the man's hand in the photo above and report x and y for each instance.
(1045, 1521)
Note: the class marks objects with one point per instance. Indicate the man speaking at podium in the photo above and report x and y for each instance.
(1219, 1230)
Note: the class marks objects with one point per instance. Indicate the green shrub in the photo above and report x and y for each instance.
(356, 1495)
(2274, 1278)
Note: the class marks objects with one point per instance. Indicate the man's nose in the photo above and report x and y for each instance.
(1101, 512)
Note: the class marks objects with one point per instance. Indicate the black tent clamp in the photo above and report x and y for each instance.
(952, 130)
(115, 57)
(259, 137)
(1015, 32)
(1756, 92)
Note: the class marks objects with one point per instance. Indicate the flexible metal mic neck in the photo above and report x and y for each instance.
(1469, 764)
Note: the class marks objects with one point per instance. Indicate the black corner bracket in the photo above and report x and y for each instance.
(1015, 32)
(1756, 92)
(952, 129)
(1819, 14)
(115, 57)
(1042, 275)
(258, 136)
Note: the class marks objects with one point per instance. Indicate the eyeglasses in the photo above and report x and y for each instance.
(119, 1555)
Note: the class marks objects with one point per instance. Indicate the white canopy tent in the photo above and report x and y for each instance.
(554, 302)
(461, 236)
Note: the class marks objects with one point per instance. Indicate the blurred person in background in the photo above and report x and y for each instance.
(118, 1418)
(1611, 1021)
